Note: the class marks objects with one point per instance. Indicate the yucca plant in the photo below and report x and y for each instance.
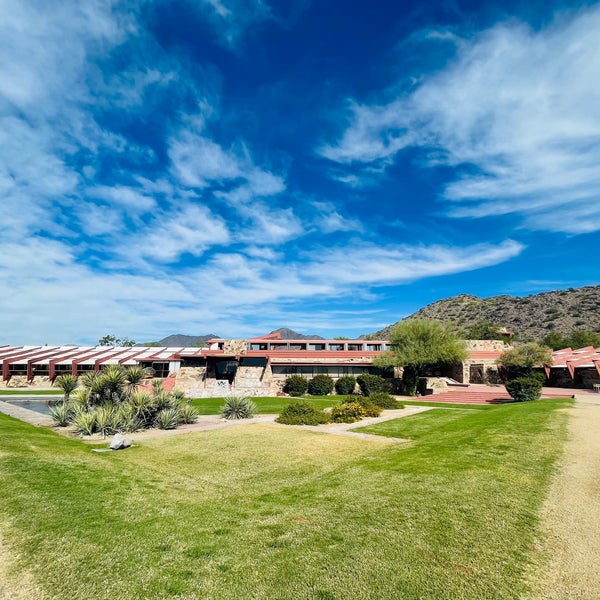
(143, 406)
(157, 386)
(179, 396)
(80, 398)
(84, 422)
(106, 419)
(61, 414)
(238, 407)
(67, 383)
(167, 418)
(164, 400)
(114, 380)
(126, 418)
(134, 375)
(187, 414)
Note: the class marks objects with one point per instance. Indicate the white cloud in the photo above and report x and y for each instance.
(517, 112)
(329, 220)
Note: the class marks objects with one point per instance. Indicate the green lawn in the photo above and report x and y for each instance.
(278, 513)
(30, 392)
(265, 405)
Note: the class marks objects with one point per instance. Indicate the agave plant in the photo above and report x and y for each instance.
(157, 385)
(164, 400)
(106, 419)
(114, 380)
(238, 407)
(167, 418)
(179, 396)
(80, 398)
(126, 418)
(187, 414)
(61, 414)
(84, 422)
(143, 406)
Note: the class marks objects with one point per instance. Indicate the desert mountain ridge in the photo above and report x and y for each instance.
(530, 318)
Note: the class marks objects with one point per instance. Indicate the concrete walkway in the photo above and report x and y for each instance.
(569, 545)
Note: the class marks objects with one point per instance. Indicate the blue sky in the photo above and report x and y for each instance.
(203, 166)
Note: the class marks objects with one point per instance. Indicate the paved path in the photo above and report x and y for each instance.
(570, 525)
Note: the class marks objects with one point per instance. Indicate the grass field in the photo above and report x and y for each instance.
(264, 405)
(30, 392)
(275, 513)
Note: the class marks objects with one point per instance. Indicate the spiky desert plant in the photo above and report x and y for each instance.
(134, 375)
(67, 383)
(80, 398)
(61, 414)
(106, 419)
(187, 414)
(126, 418)
(84, 422)
(157, 386)
(114, 380)
(238, 407)
(168, 418)
(164, 400)
(143, 405)
(179, 396)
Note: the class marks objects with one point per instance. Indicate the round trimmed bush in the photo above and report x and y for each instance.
(345, 385)
(302, 412)
(524, 389)
(347, 412)
(320, 385)
(370, 383)
(295, 385)
(384, 400)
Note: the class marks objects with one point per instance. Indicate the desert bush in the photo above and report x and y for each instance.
(369, 408)
(347, 412)
(67, 383)
(127, 418)
(164, 400)
(295, 385)
(345, 385)
(238, 407)
(384, 400)
(144, 406)
(167, 418)
(157, 386)
(370, 383)
(187, 414)
(61, 414)
(320, 385)
(302, 412)
(523, 389)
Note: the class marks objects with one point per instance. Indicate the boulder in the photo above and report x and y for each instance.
(120, 442)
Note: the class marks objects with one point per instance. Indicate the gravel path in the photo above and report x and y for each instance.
(569, 566)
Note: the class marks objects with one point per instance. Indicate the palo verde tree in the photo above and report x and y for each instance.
(112, 340)
(419, 343)
(520, 361)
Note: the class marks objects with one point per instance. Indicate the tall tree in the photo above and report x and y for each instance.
(520, 361)
(418, 343)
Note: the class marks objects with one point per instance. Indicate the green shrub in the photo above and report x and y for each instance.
(384, 400)
(238, 407)
(368, 407)
(370, 383)
(345, 385)
(163, 400)
(187, 414)
(524, 389)
(167, 418)
(302, 412)
(347, 412)
(67, 383)
(320, 385)
(295, 385)
(144, 407)
(61, 414)
(127, 418)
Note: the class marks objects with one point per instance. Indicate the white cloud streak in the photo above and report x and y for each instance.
(516, 112)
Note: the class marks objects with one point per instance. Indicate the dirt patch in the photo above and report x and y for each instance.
(13, 585)
(568, 564)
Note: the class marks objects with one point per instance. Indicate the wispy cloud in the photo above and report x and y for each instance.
(516, 113)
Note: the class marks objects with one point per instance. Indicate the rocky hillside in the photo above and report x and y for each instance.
(290, 334)
(530, 317)
(187, 341)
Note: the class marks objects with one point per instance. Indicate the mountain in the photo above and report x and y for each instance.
(290, 334)
(177, 340)
(530, 317)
